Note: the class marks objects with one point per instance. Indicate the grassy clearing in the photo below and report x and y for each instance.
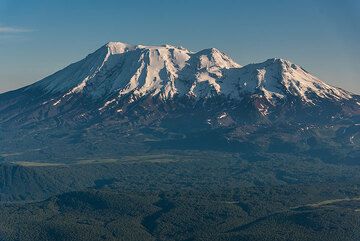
(37, 164)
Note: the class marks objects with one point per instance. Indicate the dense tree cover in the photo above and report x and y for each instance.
(242, 214)
(193, 196)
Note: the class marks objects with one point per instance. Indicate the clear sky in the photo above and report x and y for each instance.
(39, 37)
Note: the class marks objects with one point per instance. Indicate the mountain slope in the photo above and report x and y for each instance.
(119, 74)
(124, 99)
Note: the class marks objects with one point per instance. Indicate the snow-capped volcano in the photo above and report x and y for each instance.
(134, 97)
(118, 75)
(118, 69)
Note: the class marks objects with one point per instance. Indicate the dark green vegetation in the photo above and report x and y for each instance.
(241, 214)
(180, 179)
(193, 196)
(333, 143)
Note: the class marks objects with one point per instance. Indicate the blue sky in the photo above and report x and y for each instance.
(40, 37)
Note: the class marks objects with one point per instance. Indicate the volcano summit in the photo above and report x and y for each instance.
(176, 98)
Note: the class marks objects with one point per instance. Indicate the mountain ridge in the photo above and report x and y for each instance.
(119, 77)
(118, 69)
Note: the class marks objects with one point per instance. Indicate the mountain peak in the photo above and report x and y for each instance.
(281, 78)
(278, 61)
(119, 47)
(209, 51)
(214, 57)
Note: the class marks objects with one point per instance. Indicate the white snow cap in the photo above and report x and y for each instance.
(119, 69)
(279, 78)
